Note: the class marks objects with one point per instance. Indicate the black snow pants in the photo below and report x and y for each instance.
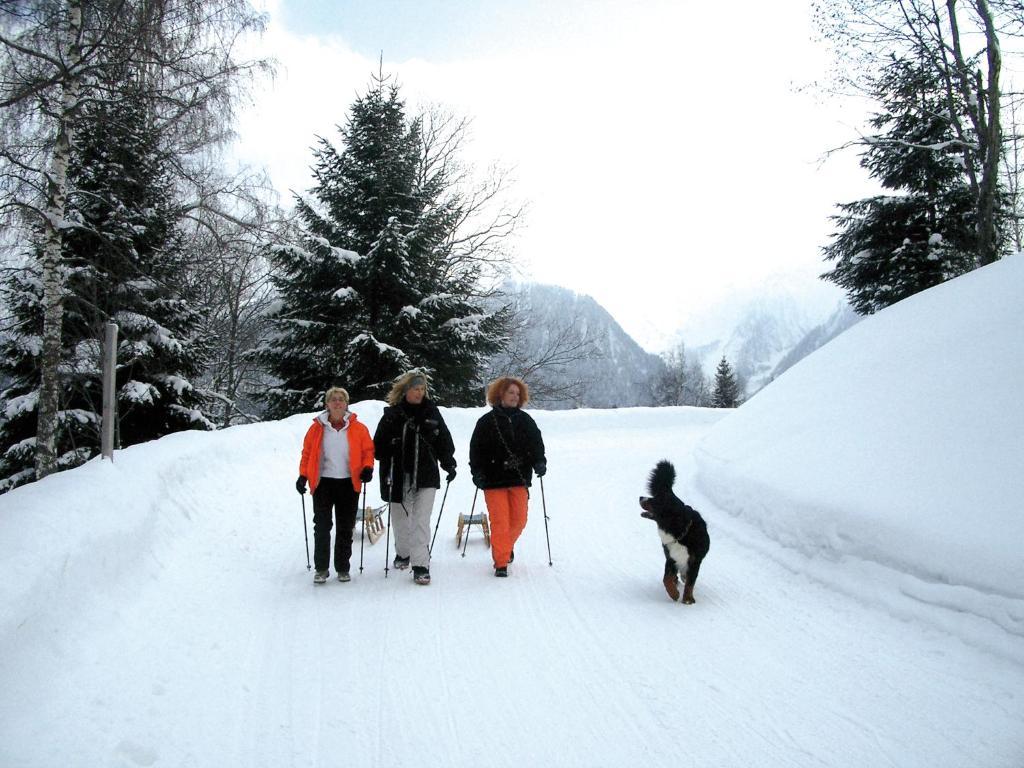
(337, 495)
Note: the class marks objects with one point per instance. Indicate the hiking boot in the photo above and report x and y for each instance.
(420, 575)
(401, 563)
(344, 576)
(320, 577)
(501, 572)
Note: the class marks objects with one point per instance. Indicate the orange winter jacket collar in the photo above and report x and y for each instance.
(360, 451)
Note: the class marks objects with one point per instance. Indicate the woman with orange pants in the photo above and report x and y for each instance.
(505, 451)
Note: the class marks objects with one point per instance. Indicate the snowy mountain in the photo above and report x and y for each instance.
(591, 362)
(862, 603)
(758, 330)
(844, 317)
(762, 333)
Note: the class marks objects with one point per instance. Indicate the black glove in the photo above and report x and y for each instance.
(541, 468)
(478, 481)
(300, 484)
(451, 474)
(366, 475)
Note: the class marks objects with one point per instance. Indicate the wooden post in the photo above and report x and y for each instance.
(109, 403)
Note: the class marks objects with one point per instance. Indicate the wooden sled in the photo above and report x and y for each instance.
(373, 523)
(466, 521)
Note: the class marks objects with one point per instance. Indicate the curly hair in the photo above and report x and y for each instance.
(496, 390)
(404, 383)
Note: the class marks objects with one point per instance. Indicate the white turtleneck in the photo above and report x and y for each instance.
(334, 451)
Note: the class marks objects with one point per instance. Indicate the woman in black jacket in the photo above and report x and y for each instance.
(410, 442)
(504, 452)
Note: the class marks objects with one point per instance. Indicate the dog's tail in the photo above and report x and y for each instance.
(662, 478)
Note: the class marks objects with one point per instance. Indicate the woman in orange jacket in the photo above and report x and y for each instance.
(337, 458)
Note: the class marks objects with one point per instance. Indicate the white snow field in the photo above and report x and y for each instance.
(862, 603)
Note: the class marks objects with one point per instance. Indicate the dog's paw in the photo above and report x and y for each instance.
(672, 587)
(688, 600)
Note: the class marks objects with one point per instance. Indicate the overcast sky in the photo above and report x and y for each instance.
(665, 154)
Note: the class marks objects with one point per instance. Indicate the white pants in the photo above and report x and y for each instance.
(410, 520)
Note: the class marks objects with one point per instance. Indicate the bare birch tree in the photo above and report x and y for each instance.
(546, 357)
(961, 42)
(683, 381)
(231, 273)
(57, 54)
(479, 242)
(1013, 167)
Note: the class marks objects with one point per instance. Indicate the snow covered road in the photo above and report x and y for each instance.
(170, 620)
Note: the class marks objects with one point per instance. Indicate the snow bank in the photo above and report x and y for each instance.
(899, 445)
(104, 523)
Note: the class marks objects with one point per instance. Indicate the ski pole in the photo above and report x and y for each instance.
(362, 529)
(387, 541)
(544, 505)
(465, 541)
(438, 525)
(305, 529)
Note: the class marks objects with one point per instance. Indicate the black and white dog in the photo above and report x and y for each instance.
(683, 532)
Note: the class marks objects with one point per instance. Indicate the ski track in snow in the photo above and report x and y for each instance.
(221, 651)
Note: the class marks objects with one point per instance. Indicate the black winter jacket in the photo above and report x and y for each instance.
(505, 448)
(410, 442)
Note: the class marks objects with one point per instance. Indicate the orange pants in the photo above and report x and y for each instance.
(507, 510)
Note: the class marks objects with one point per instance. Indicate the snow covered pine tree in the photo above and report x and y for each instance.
(889, 247)
(371, 289)
(726, 393)
(124, 262)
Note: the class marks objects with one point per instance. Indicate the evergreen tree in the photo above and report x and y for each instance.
(726, 393)
(889, 247)
(371, 289)
(124, 262)
(60, 59)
